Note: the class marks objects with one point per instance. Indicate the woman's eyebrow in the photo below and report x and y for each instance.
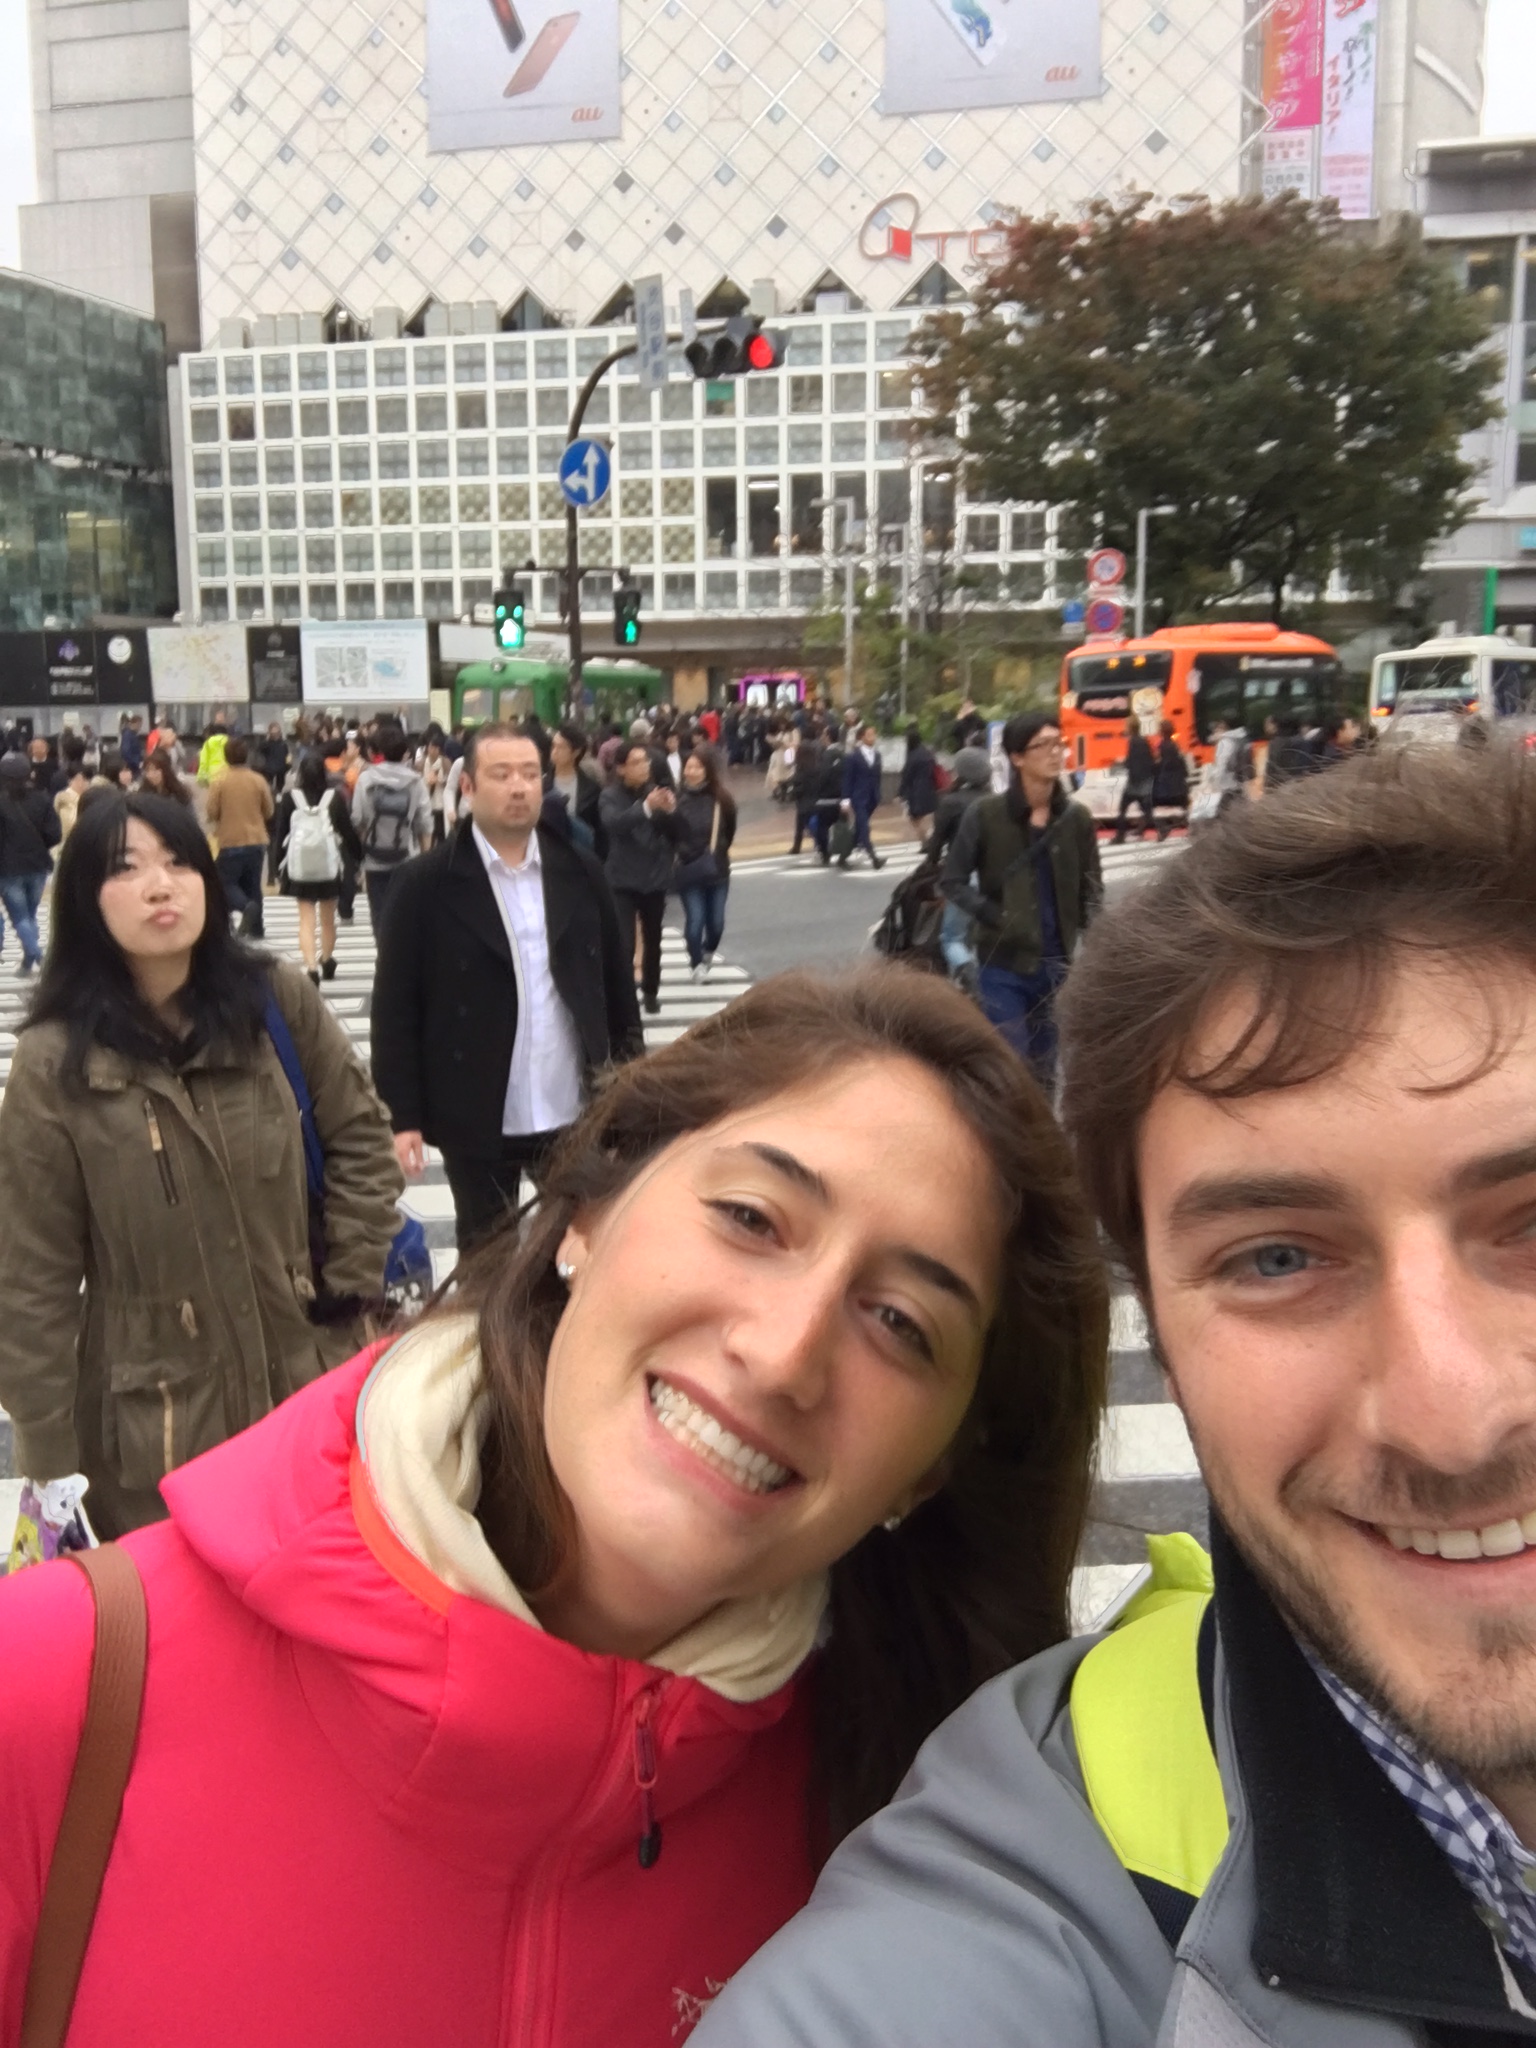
(922, 1264)
(793, 1169)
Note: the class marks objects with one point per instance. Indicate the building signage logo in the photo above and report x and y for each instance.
(891, 234)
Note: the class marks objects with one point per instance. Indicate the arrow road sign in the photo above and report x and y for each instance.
(585, 472)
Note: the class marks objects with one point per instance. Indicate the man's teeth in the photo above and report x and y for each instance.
(698, 1429)
(1499, 1539)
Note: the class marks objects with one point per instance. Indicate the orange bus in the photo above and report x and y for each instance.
(1191, 675)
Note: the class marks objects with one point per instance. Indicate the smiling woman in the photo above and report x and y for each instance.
(538, 1657)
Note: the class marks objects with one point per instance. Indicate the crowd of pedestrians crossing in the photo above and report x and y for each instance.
(667, 1636)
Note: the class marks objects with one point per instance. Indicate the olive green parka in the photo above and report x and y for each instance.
(178, 1198)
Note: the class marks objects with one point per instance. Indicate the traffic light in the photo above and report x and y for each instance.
(626, 615)
(742, 345)
(511, 618)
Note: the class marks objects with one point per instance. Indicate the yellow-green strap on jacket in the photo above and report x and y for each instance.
(1142, 1744)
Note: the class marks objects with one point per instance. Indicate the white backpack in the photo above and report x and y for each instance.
(314, 852)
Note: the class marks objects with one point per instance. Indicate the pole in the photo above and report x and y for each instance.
(848, 629)
(573, 532)
(1490, 599)
(1147, 512)
(906, 605)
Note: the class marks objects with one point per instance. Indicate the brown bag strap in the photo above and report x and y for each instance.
(95, 1797)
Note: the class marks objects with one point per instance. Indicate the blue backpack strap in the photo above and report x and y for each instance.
(288, 1057)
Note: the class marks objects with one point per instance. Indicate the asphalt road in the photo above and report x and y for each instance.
(803, 915)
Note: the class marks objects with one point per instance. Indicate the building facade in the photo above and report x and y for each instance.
(1478, 200)
(85, 486)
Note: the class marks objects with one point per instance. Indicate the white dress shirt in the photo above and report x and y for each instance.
(544, 1085)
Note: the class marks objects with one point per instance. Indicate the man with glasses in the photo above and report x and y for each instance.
(1024, 866)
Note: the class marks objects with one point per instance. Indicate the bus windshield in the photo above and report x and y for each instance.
(1103, 684)
(1247, 689)
(1452, 677)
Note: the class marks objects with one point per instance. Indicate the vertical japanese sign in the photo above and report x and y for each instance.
(650, 333)
(1293, 96)
(1348, 153)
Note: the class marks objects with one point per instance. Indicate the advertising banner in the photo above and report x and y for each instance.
(373, 661)
(1349, 107)
(1293, 64)
(272, 661)
(945, 54)
(198, 664)
(504, 72)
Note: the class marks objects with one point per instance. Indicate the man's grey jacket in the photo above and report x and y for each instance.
(985, 1909)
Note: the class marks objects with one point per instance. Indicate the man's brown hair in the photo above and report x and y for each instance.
(1305, 902)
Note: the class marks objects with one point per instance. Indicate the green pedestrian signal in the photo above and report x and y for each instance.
(626, 615)
(511, 619)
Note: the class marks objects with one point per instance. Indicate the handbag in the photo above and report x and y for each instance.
(703, 871)
(408, 1269)
(94, 1802)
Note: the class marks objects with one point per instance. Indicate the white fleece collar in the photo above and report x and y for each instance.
(421, 1417)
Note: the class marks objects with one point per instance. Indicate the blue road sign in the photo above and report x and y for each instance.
(1072, 612)
(585, 472)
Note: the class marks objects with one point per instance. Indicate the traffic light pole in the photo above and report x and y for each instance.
(572, 530)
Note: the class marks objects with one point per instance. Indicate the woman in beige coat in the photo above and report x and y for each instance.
(151, 1149)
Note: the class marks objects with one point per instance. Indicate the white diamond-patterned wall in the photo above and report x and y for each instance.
(752, 147)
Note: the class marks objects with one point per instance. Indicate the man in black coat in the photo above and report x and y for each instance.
(861, 792)
(502, 987)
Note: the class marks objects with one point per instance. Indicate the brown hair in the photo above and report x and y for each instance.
(977, 1577)
(171, 784)
(1306, 903)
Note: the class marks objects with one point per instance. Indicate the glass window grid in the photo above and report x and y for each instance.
(653, 539)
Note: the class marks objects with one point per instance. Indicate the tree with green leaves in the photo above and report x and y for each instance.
(1297, 392)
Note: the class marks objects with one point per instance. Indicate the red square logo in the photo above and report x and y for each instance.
(901, 244)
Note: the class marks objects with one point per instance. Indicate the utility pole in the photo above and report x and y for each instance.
(1147, 512)
(849, 508)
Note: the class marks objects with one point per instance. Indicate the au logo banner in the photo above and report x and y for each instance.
(503, 72)
(948, 54)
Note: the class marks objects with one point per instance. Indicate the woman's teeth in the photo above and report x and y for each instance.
(698, 1429)
(1499, 1539)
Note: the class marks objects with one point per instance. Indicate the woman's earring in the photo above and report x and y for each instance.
(891, 1524)
(566, 1270)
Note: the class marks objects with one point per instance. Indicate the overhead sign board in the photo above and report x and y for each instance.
(651, 332)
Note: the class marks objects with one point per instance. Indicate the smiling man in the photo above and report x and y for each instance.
(1301, 1077)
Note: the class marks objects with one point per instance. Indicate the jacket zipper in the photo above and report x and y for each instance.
(532, 1975)
(162, 1157)
(168, 1426)
(649, 1845)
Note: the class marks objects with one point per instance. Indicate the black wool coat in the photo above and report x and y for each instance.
(444, 1018)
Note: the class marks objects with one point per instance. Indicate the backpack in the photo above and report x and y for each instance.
(388, 838)
(313, 852)
(913, 922)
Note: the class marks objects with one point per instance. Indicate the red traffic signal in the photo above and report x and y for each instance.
(738, 347)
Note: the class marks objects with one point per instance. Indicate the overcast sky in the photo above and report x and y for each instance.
(1511, 68)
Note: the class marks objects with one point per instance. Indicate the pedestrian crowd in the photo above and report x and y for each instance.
(667, 1634)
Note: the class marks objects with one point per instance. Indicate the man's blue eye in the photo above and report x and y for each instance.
(1280, 1261)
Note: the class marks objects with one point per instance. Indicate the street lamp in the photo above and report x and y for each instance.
(1147, 512)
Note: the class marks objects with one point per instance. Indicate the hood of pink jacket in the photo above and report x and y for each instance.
(478, 1734)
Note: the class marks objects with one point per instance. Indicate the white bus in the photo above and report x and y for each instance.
(1428, 692)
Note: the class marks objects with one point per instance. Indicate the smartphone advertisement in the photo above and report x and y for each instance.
(942, 55)
(501, 72)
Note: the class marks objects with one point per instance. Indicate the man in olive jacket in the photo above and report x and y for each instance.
(1025, 867)
(177, 1195)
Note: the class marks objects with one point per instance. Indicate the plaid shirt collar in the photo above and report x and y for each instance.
(1483, 1849)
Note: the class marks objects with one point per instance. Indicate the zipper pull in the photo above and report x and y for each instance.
(645, 1782)
(162, 1157)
